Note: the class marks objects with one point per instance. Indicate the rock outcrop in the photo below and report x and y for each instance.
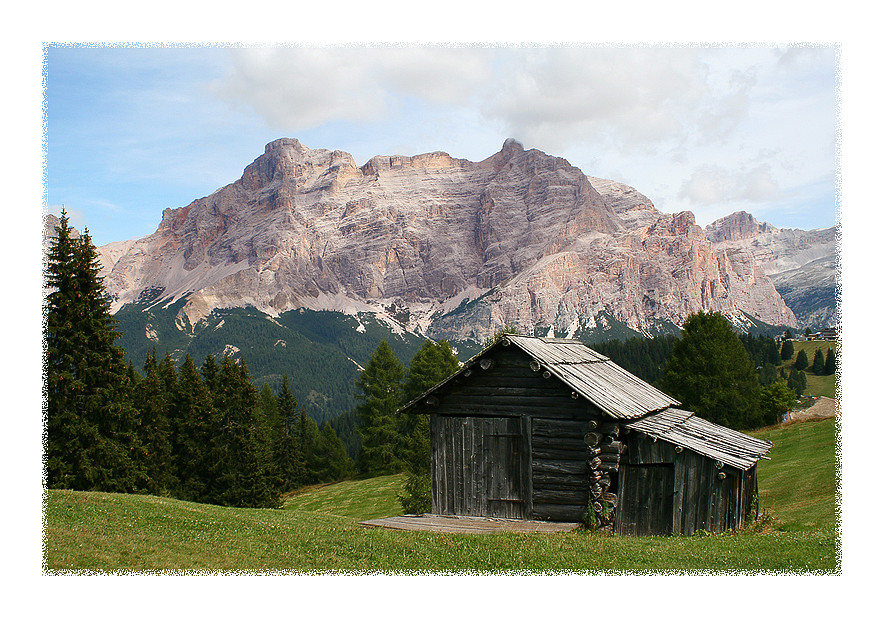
(451, 248)
(802, 264)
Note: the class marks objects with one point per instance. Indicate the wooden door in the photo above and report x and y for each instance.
(480, 466)
(645, 500)
(506, 469)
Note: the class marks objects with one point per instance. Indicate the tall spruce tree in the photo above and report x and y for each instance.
(290, 458)
(154, 403)
(830, 363)
(245, 470)
(787, 350)
(710, 372)
(433, 363)
(90, 420)
(801, 360)
(334, 464)
(770, 352)
(797, 381)
(308, 443)
(379, 397)
(194, 433)
(818, 365)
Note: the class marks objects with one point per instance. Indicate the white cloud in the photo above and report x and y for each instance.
(691, 127)
(629, 98)
(712, 184)
(296, 89)
(625, 97)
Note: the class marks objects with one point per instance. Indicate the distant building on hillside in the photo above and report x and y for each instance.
(830, 334)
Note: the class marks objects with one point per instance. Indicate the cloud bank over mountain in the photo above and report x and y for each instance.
(670, 119)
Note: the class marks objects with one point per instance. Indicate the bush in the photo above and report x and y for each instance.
(416, 498)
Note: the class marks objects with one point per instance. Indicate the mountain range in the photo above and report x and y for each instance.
(306, 244)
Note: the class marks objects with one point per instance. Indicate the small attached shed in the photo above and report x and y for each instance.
(544, 428)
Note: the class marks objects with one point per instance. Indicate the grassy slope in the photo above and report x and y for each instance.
(817, 385)
(798, 485)
(318, 530)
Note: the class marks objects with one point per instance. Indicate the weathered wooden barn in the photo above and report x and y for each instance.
(545, 429)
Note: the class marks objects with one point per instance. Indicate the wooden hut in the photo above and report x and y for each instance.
(545, 429)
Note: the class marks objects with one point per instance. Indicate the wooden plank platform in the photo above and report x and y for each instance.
(468, 524)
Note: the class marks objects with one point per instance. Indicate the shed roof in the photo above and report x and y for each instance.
(687, 430)
(617, 392)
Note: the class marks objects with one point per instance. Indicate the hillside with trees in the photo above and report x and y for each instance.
(202, 434)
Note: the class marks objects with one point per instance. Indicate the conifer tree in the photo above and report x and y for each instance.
(767, 374)
(380, 396)
(433, 363)
(290, 458)
(710, 372)
(90, 420)
(308, 443)
(801, 360)
(154, 403)
(797, 381)
(830, 363)
(209, 371)
(244, 472)
(771, 354)
(334, 464)
(194, 434)
(818, 365)
(787, 350)
(269, 407)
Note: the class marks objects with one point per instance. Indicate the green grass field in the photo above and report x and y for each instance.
(318, 531)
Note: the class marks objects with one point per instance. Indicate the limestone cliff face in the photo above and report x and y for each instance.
(802, 264)
(460, 247)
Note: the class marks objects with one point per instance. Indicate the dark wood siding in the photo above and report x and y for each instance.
(705, 501)
(645, 499)
(508, 442)
(700, 500)
(480, 466)
(508, 388)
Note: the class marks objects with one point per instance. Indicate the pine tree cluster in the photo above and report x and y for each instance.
(201, 434)
(642, 357)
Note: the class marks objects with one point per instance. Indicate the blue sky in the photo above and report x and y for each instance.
(132, 130)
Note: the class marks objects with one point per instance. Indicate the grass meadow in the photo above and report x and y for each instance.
(318, 531)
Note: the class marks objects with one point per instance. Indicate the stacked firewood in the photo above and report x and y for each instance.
(603, 456)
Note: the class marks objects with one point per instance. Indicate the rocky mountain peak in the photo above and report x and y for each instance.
(738, 226)
(802, 264)
(511, 148)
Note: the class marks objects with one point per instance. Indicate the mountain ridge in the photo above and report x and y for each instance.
(521, 237)
(802, 264)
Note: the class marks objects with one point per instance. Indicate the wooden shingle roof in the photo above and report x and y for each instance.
(617, 392)
(689, 431)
